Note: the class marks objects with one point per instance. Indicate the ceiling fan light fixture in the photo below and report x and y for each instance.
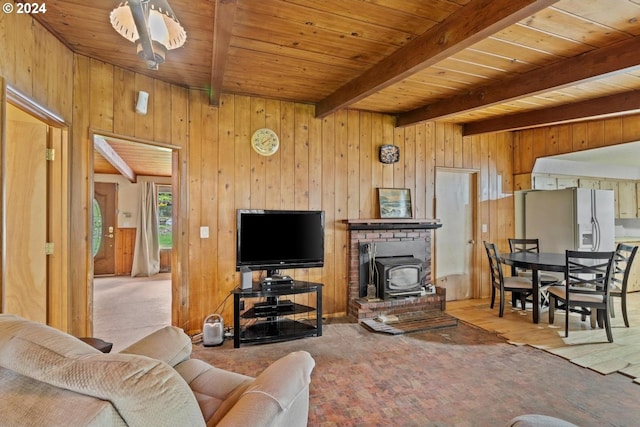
(159, 54)
(151, 25)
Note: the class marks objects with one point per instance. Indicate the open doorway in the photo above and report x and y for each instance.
(129, 175)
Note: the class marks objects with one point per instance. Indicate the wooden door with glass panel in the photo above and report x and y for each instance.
(104, 228)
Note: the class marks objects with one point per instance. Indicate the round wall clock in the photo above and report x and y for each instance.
(265, 141)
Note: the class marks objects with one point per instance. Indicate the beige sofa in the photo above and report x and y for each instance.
(49, 378)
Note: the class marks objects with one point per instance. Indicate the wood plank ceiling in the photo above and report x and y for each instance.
(490, 65)
(118, 156)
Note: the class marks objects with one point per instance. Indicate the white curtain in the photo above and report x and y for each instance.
(146, 255)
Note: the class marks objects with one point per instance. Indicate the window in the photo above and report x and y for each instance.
(165, 212)
(97, 227)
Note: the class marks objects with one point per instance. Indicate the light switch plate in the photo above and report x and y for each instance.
(204, 232)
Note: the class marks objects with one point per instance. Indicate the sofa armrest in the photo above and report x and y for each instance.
(216, 390)
(278, 396)
(169, 344)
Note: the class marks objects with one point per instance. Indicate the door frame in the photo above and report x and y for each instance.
(475, 198)
(179, 275)
(58, 184)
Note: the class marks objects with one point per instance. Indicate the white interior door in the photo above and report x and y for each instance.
(454, 242)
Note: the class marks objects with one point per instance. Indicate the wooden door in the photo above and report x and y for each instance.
(455, 241)
(25, 264)
(104, 228)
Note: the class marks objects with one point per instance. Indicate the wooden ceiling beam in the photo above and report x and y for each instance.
(102, 146)
(225, 12)
(470, 24)
(606, 106)
(597, 63)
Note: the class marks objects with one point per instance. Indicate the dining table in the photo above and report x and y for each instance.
(536, 262)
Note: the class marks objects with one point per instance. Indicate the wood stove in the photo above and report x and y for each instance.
(402, 238)
(399, 277)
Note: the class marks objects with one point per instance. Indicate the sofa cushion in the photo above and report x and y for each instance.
(169, 344)
(26, 402)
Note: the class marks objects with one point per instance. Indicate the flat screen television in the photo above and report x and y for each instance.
(279, 239)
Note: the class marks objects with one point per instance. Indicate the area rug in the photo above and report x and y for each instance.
(410, 322)
(461, 376)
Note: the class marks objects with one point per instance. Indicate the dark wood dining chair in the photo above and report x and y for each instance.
(533, 246)
(520, 287)
(585, 289)
(623, 258)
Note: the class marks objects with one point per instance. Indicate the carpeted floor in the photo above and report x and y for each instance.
(458, 376)
(126, 309)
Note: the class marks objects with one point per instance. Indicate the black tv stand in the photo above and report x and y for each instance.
(273, 318)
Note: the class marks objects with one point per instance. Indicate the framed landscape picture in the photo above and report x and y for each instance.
(395, 203)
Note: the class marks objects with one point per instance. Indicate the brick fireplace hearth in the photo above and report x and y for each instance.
(389, 230)
(380, 231)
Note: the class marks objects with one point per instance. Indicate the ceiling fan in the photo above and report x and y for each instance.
(151, 25)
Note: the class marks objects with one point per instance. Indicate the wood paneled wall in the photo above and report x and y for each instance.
(329, 164)
(491, 155)
(35, 63)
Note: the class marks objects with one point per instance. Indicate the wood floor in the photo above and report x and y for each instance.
(585, 346)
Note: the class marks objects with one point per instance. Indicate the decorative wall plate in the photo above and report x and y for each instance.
(265, 142)
(389, 153)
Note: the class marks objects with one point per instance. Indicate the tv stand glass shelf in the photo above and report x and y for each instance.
(263, 316)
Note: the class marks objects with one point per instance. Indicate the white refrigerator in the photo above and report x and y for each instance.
(571, 218)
